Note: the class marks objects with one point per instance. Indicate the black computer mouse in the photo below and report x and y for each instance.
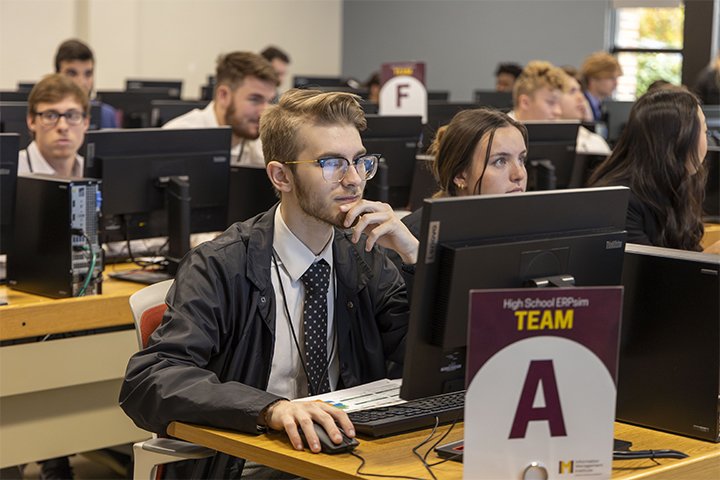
(326, 444)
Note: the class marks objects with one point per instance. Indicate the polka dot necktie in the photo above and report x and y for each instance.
(316, 280)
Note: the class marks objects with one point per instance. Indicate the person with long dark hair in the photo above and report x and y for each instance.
(659, 156)
(481, 151)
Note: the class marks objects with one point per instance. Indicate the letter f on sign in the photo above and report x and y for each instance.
(401, 92)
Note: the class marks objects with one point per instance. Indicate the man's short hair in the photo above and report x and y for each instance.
(272, 52)
(536, 75)
(279, 124)
(510, 68)
(599, 65)
(234, 67)
(55, 88)
(71, 50)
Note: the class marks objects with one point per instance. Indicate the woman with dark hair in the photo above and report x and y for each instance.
(481, 151)
(659, 156)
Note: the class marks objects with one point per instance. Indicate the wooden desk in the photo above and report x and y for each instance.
(712, 234)
(393, 455)
(61, 396)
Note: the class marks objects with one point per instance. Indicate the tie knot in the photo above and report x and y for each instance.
(316, 277)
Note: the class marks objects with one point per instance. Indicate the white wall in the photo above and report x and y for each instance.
(166, 38)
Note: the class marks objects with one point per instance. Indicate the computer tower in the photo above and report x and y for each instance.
(669, 362)
(55, 237)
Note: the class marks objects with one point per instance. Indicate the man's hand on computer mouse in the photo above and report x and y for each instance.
(290, 416)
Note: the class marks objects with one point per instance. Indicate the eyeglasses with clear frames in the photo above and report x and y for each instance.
(334, 169)
(50, 118)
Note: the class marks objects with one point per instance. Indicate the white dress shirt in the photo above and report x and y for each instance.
(31, 160)
(287, 378)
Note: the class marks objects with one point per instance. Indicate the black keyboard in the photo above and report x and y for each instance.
(409, 416)
(147, 277)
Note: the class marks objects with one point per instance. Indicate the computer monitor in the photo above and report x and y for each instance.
(9, 146)
(250, 193)
(424, 184)
(308, 81)
(670, 341)
(501, 241)
(551, 154)
(13, 96)
(490, 98)
(369, 108)
(438, 95)
(25, 86)
(439, 114)
(13, 119)
(396, 138)
(162, 111)
(712, 118)
(615, 114)
(173, 88)
(134, 106)
(360, 92)
(160, 182)
(208, 90)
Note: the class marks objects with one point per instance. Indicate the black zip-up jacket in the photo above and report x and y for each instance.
(209, 361)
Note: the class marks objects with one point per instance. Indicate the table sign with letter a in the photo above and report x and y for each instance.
(541, 376)
(403, 89)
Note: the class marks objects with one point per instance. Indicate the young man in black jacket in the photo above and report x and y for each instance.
(245, 333)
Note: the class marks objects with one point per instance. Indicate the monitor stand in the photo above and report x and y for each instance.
(177, 196)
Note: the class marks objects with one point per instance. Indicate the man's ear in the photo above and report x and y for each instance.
(223, 96)
(523, 101)
(280, 176)
(30, 119)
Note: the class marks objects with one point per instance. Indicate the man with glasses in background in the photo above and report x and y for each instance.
(58, 119)
(296, 301)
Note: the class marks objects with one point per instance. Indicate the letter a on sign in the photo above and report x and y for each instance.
(540, 372)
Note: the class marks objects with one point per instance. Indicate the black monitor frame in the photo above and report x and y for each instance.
(251, 193)
(501, 241)
(438, 95)
(162, 111)
(551, 154)
(311, 81)
(159, 182)
(490, 98)
(712, 118)
(9, 147)
(13, 96)
(134, 105)
(615, 114)
(173, 88)
(439, 114)
(13, 119)
(397, 139)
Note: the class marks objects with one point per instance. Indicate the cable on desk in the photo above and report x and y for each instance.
(651, 454)
(415, 452)
(427, 440)
(430, 465)
(362, 464)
